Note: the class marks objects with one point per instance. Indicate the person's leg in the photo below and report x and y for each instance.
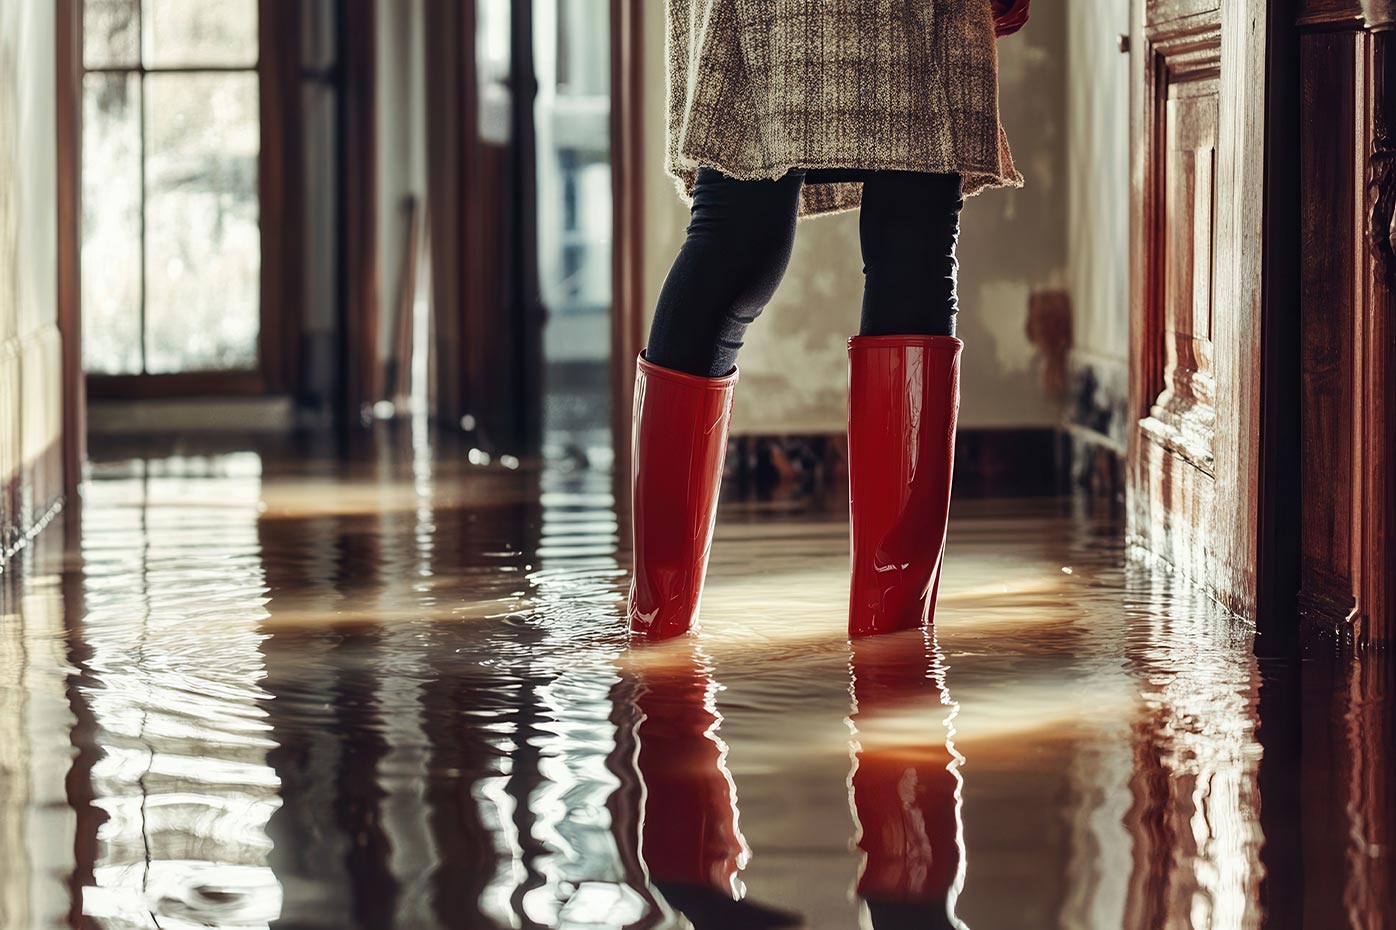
(909, 226)
(738, 246)
(903, 400)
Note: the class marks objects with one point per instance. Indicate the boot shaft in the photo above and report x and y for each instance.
(679, 442)
(903, 404)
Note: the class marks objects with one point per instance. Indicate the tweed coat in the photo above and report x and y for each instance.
(757, 87)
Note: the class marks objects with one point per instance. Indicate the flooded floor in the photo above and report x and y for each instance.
(249, 690)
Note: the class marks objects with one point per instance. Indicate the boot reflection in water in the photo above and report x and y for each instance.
(690, 838)
(905, 784)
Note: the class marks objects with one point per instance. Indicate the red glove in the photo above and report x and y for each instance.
(1009, 16)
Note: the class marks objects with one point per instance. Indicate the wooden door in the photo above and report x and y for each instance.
(1347, 69)
(1198, 478)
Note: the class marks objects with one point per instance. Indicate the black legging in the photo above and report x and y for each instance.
(738, 246)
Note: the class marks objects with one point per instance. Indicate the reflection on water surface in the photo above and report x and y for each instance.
(251, 691)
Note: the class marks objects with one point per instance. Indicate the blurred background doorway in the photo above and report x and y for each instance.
(337, 212)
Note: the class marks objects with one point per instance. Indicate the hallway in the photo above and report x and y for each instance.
(397, 693)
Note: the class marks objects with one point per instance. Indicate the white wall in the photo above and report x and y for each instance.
(1012, 243)
(1098, 80)
(34, 858)
(29, 33)
(30, 379)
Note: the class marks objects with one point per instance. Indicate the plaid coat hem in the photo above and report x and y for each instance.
(758, 87)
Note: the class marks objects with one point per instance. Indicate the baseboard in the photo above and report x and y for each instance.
(192, 414)
(1000, 462)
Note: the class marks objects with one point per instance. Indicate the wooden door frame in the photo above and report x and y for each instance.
(360, 376)
(1375, 607)
(1279, 508)
(280, 208)
(1348, 571)
(450, 67)
(1251, 555)
(627, 232)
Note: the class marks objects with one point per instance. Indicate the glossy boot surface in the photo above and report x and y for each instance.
(679, 442)
(903, 400)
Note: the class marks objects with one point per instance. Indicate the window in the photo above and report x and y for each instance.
(171, 244)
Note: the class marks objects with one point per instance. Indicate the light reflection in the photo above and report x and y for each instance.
(172, 683)
(1196, 797)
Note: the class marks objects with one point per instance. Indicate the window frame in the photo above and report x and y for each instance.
(278, 211)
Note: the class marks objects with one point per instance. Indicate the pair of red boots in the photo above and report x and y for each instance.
(903, 399)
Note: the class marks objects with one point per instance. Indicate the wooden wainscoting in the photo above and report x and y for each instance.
(1208, 230)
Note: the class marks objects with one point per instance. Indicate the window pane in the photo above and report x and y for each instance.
(185, 33)
(111, 33)
(111, 224)
(203, 245)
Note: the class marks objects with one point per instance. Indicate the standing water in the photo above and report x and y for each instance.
(252, 690)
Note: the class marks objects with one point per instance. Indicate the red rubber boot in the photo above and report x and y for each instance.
(903, 400)
(679, 441)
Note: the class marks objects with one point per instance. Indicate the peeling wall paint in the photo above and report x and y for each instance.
(1012, 243)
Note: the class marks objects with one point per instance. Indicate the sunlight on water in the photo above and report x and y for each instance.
(174, 593)
(399, 693)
